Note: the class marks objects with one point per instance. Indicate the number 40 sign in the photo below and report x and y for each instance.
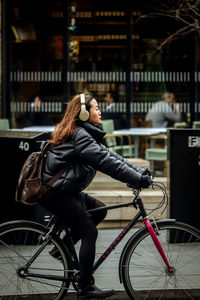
(24, 146)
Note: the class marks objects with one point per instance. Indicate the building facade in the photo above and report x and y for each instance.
(113, 49)
(0, 59)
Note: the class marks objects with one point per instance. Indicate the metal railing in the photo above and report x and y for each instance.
(120, 107)
(135, 76)
(99, 83)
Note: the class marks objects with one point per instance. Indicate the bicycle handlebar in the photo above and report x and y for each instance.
(154, 184)
(139, 189)
(136, 192)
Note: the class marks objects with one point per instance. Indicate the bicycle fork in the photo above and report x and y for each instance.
(147, 223)
(158, 245)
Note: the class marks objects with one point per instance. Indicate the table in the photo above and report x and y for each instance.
(138, 132)
(39, 128)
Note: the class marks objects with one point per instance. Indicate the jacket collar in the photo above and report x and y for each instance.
(93, 129)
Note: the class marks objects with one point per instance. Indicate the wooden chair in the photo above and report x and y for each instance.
(196, 124)
(155, 154)
(180, 125)
(4, 124)
(144, 123)
(144, 140)
(116, 142)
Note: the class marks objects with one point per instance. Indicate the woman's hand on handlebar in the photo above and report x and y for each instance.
(145, 171)
(145, 181)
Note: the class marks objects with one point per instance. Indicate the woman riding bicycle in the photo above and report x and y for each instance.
(77, 140)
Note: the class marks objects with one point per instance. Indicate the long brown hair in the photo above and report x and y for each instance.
(67, 126)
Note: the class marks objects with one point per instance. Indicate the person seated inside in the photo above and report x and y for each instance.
(164, 113)
(37, 116)
(113, 109)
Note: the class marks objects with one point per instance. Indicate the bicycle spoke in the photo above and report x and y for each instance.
(9, 281)
(13, 250)
(144, 265)
(176, 283)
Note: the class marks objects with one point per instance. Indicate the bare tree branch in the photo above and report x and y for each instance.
(183, 31)
(183, 12)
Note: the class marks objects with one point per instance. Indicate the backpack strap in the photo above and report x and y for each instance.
(44, 145)
(48, 185)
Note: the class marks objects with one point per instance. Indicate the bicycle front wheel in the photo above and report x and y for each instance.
(144, 273)
(19, 241)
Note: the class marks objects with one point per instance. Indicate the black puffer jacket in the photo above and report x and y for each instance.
(86, 154)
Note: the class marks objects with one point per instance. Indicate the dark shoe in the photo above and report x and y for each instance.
(55, 253)
(93, 292)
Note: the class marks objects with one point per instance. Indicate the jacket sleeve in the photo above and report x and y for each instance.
(102, 159)
(127, 162)
(171, 115)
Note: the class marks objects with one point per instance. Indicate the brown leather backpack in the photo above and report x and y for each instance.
(30, 188)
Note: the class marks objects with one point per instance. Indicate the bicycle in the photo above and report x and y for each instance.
(159, 261)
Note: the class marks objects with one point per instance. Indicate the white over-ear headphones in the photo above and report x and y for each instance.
(84, 114)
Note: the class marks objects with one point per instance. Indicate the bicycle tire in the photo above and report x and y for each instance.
(143, 272)
(19, 240)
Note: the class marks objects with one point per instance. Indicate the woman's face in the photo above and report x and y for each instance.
(95, 114)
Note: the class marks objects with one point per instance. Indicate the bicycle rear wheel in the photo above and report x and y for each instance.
(144, 273)
(19, 241)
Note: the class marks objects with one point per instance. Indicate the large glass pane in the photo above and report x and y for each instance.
(115, 50)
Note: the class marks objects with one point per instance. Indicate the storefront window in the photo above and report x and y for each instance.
(60, 48)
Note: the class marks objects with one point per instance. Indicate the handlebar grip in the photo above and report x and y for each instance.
(132, 186)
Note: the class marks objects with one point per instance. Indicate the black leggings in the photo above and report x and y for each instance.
(86, 231)
(71, 210)
(88, 235)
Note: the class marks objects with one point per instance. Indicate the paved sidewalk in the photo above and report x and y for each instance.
(119, 295)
